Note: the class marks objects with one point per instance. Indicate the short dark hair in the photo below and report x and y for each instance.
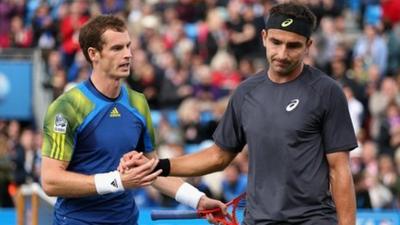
(91, 34)
(295, 10)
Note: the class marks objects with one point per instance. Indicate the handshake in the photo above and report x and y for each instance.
(136, 170)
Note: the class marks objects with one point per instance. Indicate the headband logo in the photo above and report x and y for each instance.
(287, 22)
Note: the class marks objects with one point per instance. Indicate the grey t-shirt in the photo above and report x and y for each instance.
(289, 129)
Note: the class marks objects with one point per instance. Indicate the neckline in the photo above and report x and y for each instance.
(89, 84)
(299, 77)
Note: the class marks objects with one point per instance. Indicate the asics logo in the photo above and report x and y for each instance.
(287, 22)
(292, 105)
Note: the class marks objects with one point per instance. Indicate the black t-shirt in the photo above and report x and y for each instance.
(289, 129)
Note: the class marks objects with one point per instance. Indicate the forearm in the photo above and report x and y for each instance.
(203, 162)
(182, 192)
(343, 196)
(58, 181)
(68, 184)
(168, 185)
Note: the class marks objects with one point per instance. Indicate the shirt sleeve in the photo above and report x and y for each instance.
(147, 139)
(147, 142)
(337, 130)
(229, 134)
(59, 131)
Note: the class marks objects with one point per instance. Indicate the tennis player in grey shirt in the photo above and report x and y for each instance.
(296, 123)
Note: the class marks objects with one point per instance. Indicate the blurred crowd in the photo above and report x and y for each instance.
(188, 57)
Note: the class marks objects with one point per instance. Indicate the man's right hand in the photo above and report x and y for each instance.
(141, 175)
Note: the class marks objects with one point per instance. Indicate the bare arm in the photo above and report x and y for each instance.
(170, 185)
(166, 185)
(58, 181)
(342, 187)
(209, 160)
(206, 161)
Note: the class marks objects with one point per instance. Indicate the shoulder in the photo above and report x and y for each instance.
(135, 95)
(71, 104)
(254, 80)
(250, 84)
(137, 100)
(67, 99)
(320, 81)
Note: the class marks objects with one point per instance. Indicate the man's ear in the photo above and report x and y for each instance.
(93, 54)
(309, 42)
(264, 35)
(308, 45)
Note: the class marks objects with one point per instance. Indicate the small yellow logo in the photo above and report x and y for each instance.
(287, 22)
(114, 112)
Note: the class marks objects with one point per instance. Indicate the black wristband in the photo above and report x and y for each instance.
(165, 165)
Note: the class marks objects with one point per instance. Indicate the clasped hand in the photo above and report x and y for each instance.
(137, 171)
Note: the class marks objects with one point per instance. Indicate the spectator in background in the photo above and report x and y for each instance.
(13, 134)
(389, 133)
(380, 195)
(70, 25)
(361, 188)
(356, 109)
(247, 68)
(189, 11)
(326, 41)
(212, 35)
(37, 149)
(388, 174)
(204, 89)
(45, 28)
(224, 72)
(390, 11)
(379, 101)
(194, 131)
(393, 44)
(25, 159)
(20, 36)
(78, 66)
(6, 173)
(175, 88)
(112, 6)
(340, 73)
(234, 182)
(147, 80)
(170, 140)
(8, 10)
(242, 33)
(372, 49)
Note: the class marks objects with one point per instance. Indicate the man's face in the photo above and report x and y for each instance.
(115, 58)
(285, 50)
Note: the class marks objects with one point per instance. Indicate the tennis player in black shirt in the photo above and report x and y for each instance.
(296, 123)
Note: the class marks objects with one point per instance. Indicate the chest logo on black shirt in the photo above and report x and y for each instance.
(292, 105)
(114, 112)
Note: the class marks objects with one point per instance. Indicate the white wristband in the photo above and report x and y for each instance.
(108, 182)
(188, 195)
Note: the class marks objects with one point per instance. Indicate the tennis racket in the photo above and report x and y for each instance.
(229, 219)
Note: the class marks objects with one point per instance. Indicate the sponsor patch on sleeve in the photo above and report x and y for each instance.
(60, 124)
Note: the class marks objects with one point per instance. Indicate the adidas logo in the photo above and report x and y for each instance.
(114, 183)
(114, 112)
